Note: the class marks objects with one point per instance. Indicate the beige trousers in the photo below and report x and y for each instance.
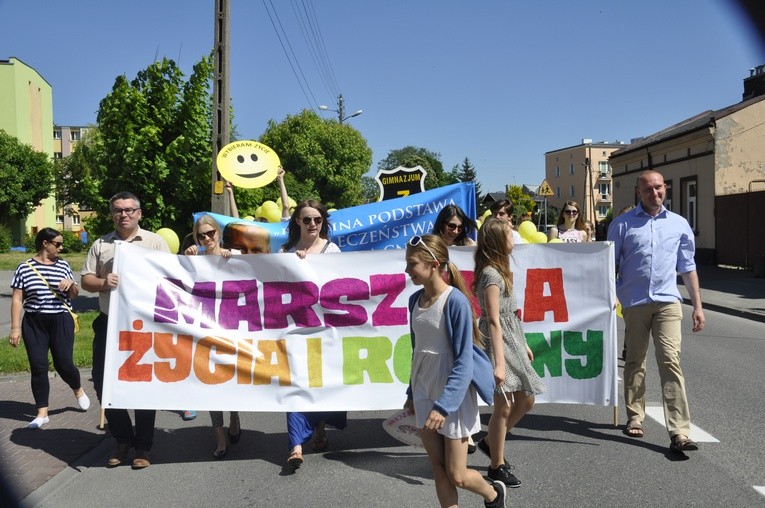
(662, 321)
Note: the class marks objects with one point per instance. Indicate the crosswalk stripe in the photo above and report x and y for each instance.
(697, 434)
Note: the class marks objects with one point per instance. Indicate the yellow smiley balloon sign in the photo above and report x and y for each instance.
(248, 164)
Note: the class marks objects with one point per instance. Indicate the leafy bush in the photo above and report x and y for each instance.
(6, 239)
(72, 242)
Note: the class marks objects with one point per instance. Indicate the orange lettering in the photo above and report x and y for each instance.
(180, 351)
(219, 373)
(536, 304)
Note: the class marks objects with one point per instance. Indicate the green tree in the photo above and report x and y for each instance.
(153, 139)
(412, 156)
(522, 202)
(322, 158)
(370, 189)
(467, 173)
(27, 177)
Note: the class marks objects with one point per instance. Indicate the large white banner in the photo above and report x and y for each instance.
(273, 332)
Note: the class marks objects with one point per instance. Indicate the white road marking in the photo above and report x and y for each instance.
(697, 434)
(761, 490)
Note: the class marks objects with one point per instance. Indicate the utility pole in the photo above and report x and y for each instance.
(221, 121)
(340, 110)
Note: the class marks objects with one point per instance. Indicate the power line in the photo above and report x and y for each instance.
(311, 100)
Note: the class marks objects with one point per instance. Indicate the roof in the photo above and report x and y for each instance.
(700, 121)
(494, 197)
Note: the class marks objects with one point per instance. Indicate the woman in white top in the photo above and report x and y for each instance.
(570, 226)
(308, 233)
(207, 236)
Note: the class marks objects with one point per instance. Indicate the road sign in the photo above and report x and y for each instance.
(545, 189)
(400, 182)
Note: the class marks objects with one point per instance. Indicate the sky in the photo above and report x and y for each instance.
(497, 82)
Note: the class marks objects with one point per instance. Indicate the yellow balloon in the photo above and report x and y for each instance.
(292, 203)
(619, 310)
(526, 229)
(248, 164)
(478, 223)
(486, 213)
(248, 217)
(555, 240)
(538, 237)
(271, 211)
(330, 210)
(523, 240)
(169, 236)
(259, 211)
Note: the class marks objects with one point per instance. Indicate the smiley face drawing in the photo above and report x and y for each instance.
(248, 164)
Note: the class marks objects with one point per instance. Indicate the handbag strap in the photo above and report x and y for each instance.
(51, 289)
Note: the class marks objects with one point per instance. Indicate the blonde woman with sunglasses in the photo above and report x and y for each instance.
(207, 236)
(445, 402)
(570, 227)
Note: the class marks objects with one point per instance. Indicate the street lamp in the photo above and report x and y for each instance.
(340, 110)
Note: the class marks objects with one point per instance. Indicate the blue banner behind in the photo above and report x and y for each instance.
(381, 225)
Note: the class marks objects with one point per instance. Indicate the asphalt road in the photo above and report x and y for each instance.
(565, 455)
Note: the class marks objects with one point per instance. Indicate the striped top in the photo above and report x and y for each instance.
(37, 296)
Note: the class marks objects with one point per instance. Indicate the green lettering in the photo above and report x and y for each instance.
(591, 349)
(402, 358)
(377, 352)
(546, 354)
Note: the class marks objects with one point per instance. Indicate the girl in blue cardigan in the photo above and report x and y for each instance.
(445, 403)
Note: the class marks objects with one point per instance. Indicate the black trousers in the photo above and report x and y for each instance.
(120, 424)
(54, 332)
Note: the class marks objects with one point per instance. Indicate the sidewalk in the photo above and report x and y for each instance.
(30, 458)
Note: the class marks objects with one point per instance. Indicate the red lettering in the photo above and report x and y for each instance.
(536, 304)
(139, 343)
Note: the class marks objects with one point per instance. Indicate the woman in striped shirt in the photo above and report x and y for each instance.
(44, 286)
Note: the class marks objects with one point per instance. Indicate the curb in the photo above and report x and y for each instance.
(745, 314)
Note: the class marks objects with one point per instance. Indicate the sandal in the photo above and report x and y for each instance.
(681, 443)
(320, 443)
(295, 459)
(634, 429)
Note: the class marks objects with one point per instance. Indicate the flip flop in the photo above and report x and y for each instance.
(295, 459)
(634, 429)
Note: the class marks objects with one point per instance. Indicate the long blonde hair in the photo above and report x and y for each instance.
(491, 250)
(438, 248)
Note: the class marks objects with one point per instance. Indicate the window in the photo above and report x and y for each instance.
(75, 135)
(56, 133)
(557, 192)
(605, 191)
(603, 210)
(688, 190)
(76, 220)
(668, 198)
(557, 171)
(603, 169)
(571, 192)
(59, 219)
(571, 169)
(57, 155)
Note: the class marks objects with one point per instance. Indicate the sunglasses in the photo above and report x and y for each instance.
(207, 234)
(417, 240)
(315, 220)
(57, 244)
(571, 212)
(452, 225)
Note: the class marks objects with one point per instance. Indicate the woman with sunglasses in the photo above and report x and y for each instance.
(44, 287)
(443, 330)
(308, 233)
(504, 343)
(570, 227)
(454, 226)
(207, 236)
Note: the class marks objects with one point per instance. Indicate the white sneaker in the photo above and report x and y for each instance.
(38, 422)
(83, 402)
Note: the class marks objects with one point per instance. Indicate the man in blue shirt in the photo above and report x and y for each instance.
(651, 246)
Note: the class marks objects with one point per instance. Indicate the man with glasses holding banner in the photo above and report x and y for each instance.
(97, 277)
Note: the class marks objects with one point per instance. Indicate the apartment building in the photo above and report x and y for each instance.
(65, 138)
(582, 173)
(26, 112)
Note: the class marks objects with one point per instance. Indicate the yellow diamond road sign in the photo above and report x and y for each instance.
(544, 189)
